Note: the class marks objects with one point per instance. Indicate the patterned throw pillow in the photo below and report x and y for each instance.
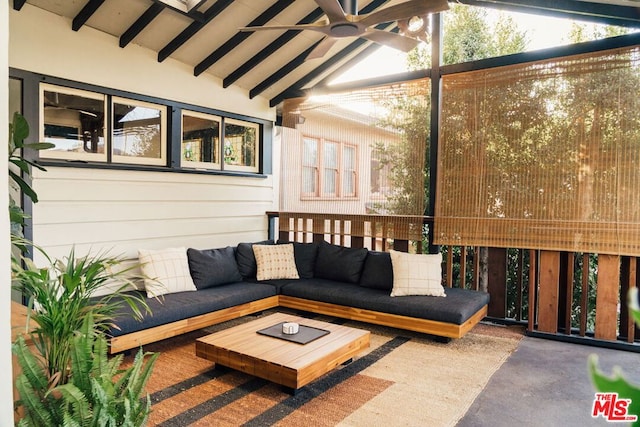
(416, 274)
(275, 262)
(166, 271)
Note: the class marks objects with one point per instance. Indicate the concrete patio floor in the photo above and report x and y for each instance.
(546, 383)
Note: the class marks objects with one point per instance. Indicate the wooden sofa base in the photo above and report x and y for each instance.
(425, 326)
(157, 333)
(432, 327)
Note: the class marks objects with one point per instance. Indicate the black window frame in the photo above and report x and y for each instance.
(31, 110)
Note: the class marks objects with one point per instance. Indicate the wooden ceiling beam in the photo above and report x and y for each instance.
(296, 89)
(270, 49)
(300, 59)
(241, 36)
(87, 11)
(193, 28)
(141, 23)
(17, 4)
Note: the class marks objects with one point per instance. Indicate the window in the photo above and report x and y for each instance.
(310, 167)
(330, 162)
(200, 140)
(105, 128)
(240, 146)
(73, 120)
(338, 164)
(139, 133)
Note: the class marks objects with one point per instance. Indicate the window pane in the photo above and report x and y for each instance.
(349, 171)
(310, 152)
(73, 120)
(330, 155)
(309, 180)
(138, 132)
(330, 159)
(330, 181)
(241, 145)
(310, 166)
(200, 140)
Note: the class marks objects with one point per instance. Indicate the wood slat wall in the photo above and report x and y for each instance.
(607, 297)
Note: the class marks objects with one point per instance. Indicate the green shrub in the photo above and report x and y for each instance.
(98, 392)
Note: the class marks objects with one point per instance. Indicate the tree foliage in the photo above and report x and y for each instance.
(468, 36)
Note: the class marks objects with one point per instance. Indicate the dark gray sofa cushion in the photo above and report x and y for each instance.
(213, 267)
(339, 263)
(246, 259)
(182, 305)
(377, 272)
(457, 307)
(305, 256)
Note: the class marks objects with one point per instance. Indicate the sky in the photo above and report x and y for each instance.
(542, 32)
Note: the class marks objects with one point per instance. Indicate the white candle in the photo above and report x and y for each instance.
(290, 328)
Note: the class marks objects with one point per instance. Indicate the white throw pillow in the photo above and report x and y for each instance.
(166, 271)
(416, 274)
(275, 262)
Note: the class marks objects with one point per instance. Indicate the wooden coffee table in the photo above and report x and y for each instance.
(290, 364)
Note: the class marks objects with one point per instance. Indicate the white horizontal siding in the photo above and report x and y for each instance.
(123, 211)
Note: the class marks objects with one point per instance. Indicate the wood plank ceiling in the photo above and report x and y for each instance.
(270, 63)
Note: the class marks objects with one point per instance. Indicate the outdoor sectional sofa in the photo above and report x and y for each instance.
(333, 280)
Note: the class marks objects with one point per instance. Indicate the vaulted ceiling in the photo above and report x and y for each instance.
(204, 34)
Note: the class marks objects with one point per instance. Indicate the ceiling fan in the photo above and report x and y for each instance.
(339, 24)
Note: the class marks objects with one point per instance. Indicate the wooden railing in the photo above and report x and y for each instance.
(375, 232)
(558, 295)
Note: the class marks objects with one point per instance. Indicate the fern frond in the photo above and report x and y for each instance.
(141, 376)
(76, 399)
(36, 413)
(31, 367)
(70, 421)
(81, 363)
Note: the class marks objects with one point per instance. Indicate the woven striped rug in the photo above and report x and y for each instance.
(404, 379)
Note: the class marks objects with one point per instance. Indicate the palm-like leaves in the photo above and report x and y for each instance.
(98, 393)
(60, 298)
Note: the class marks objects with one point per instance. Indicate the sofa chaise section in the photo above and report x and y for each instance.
(451, 316)
(177, 313)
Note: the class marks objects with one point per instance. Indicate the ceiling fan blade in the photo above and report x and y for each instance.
(392, 40)
(403, 11)
(333, 10)
(322, 48)
(321, 27)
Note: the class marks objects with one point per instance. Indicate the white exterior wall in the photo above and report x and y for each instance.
(123, 211)
(6, 379)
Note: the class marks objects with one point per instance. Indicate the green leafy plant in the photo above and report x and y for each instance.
(98, 393)
(616, 383)
(60, 298)
(18, 132)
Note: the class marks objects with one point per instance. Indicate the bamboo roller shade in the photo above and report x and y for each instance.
(543, 155)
